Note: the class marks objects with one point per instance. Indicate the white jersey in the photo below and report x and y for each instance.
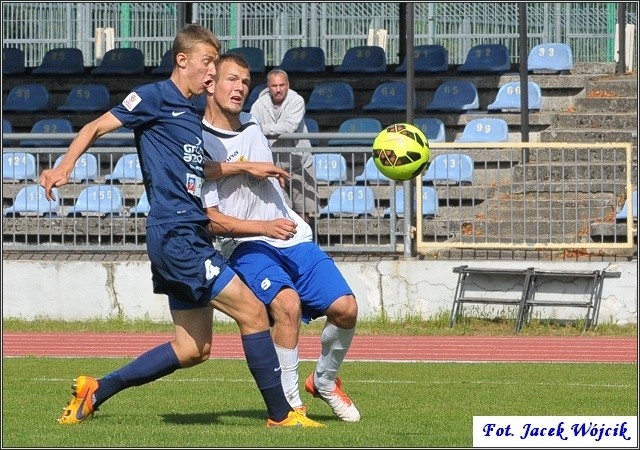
(243, 196)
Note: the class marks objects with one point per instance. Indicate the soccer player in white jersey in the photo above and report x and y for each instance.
(271, 246)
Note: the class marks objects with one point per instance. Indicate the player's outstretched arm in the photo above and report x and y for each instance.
(226, 226)
(260, 170)
(59, 176)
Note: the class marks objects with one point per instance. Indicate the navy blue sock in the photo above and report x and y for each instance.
(151, 365)
(264, 366)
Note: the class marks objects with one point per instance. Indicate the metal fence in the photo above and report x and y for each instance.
(519, 196)
(588, 27)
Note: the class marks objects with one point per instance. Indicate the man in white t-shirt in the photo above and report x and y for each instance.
(270, 246)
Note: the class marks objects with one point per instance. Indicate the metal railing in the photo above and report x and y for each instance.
(565, 196)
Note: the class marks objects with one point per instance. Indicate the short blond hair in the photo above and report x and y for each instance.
(192, 35)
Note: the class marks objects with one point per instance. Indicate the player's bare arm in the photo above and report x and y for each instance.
(260, 170)
(222, 225)
(59, 176)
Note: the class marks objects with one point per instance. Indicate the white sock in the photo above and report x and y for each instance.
(289, 364)
(335, 344)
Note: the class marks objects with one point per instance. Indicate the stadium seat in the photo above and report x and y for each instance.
(486, 129)
(12, 61)
(166, 64)
(331, 96)
(110, 142)
(303, 60)
(27, 98)
(452, 168)
(427, 59)
(141, 208)
(622, 215)
(553, 57)
(127, 170)
(18, 166)
(429, 202)
(312, 127)
(51, 125)
(508, 97)
(389, 96)
(253, 55)
(85, 169)
(329, 167)
(253, 96)
(371, 174)
(90, 97)
(363, 59)
(357, 125)
(121, 61)
(31, 200)
(455, 96)
(98, 199)
(350, 200)
(61, 61)
(487, 58)
(432, 128)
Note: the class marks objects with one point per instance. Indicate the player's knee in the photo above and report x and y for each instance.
(285, 310)
(343, 313)
(193, 355)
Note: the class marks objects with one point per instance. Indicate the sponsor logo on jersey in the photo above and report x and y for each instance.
(131, 101)
(265, 284)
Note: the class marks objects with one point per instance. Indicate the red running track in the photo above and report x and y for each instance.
(390, 348)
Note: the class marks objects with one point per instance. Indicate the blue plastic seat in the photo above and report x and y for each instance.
(253, 96)
(85, 169)
(427, 59)
(12, 61)
(303, 60)
(253, 55)
(622, 215)
(357, 125)
(127, 170)
(27, 98)
(553, 57)
(487, 58)
(166, 64)
(31, 200)
(508, 97)
(455, 96)
(51, 125)
(61, 61)
(121, 61)
(110, 142)
(89, 97)
(312, 127)
(363, 59)
(141, 208)
(451, 168)
(350, 200)
(389, 96)
(371, 174)
(329, 167)
(432, 128)
(98, 199)
(429, 202)
(486, 129)
(331, 96)
(18, 166)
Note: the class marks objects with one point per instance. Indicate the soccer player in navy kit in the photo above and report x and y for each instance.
(184, 264)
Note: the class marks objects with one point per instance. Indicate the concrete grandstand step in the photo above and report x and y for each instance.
(589, 135)
(570, 155)
(618, 85)
(613, 173)
(606, 104)
(622, 120)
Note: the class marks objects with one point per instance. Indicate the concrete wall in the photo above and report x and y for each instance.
(79, 290)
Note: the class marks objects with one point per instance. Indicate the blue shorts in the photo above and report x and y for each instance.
(185, 266)
(304, 267)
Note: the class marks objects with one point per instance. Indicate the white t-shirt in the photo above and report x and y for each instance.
(243, 196)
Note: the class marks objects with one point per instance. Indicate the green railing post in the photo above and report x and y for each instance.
(125, 24)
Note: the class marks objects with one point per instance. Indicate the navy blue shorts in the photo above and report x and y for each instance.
(304, 267)
(185, 266)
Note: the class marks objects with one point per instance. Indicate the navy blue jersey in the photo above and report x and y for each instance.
(168, 137)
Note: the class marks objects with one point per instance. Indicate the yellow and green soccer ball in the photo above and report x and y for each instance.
(401, 151)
